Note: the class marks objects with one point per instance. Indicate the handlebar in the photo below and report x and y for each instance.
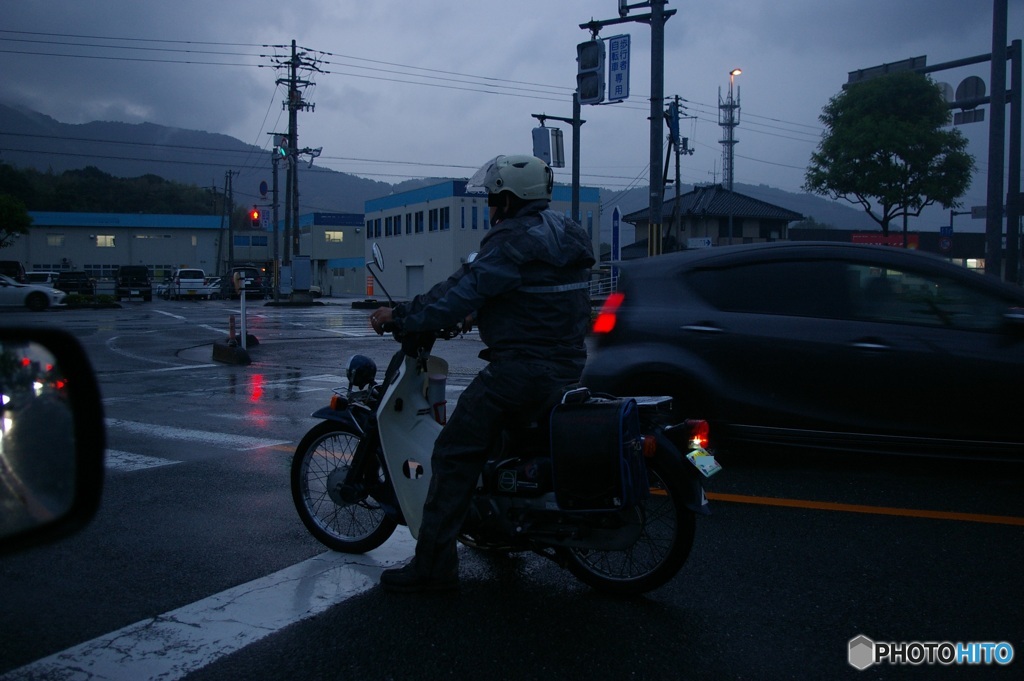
(413, 342)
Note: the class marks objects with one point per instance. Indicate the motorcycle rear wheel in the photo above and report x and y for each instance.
(320, 462)
(664, 543)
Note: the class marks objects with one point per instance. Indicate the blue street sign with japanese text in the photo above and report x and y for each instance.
(618, 68)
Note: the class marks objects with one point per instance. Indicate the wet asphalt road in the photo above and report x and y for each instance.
(770, 592)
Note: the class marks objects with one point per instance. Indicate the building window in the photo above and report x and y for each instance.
(376, 228)
(446, 222)
(419, 222)
(334, 237)
(241, 240)
(398, 225)
(104, 240)
(260, 241)
(55, 240)
(408, 223)
(432, 224)
(473, 216)
(389, 226)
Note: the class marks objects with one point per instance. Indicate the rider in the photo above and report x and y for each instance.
(527, 291)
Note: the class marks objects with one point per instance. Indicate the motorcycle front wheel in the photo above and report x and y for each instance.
(666, 537)
(321, 461)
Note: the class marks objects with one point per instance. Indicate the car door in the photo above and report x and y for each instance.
(787, 354)
(955, 364)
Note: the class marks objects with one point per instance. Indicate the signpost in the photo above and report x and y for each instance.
(618, 68)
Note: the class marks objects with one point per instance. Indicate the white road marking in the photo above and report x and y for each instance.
(175, 316)
(226, 440)
(126, 462)
(172, 645)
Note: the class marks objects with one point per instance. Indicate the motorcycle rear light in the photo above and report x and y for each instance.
(605, 321)
(650, 446)
(699, 432)
(337, 402)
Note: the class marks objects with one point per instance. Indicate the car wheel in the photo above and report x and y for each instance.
(37, 302)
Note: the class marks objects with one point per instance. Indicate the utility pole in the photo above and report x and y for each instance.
(231, 210)
(280, 151)
(294, 103)
(657, 18)
(576, 123)
(681, 146)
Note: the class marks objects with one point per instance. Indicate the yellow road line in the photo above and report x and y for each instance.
(857, 508)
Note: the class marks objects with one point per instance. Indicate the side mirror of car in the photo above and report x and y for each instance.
(52, 437)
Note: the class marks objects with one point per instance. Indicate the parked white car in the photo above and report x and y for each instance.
(211, 288)
(189, 283)
(35, 297)
(41, 278)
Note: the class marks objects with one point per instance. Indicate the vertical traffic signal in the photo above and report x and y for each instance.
(590, 72)
(254, 217)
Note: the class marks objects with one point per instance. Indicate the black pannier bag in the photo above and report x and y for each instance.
(597, 454)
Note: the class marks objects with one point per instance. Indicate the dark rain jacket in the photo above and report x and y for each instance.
(528, 289)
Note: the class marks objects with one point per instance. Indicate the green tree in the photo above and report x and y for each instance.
(885, 144)
(14, 219)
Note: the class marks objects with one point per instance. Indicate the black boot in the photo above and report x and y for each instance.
(410, 580)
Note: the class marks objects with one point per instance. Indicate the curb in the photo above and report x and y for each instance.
(226, 352)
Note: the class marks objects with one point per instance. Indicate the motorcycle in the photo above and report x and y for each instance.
(608, 488)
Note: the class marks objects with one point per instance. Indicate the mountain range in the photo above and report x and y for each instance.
(29, 139)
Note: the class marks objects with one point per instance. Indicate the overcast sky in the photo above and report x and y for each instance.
(426, 88)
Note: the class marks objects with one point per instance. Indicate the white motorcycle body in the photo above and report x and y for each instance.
(409, 423)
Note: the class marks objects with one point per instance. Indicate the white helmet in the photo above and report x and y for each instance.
(527, 177)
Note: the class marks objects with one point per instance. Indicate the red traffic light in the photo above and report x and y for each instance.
(254, 216)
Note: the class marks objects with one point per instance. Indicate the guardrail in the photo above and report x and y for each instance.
(604, 286)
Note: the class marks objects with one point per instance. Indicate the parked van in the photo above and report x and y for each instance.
(189, 283)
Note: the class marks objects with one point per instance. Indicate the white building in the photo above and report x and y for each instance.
(426, 233)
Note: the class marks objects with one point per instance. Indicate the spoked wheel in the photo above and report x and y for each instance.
(321, 461)
(663, 543)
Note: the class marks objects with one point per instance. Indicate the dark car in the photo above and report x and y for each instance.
(75, 282)
(823, 345)
(253, 277)
(13, 269)
(133, 281)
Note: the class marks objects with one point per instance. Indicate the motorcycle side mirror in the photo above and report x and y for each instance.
(471, 257)
(378, 257)
(53, 435)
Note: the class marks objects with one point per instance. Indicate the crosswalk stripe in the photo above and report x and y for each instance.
(226, 440)
(172, 645)
(127, 462)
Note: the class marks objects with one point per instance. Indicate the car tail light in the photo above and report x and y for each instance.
(606, 318)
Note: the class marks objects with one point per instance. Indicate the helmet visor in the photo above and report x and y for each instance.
(486, 176)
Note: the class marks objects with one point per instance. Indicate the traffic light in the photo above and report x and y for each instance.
(590, 72)
(281, 145)
(254, 217)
